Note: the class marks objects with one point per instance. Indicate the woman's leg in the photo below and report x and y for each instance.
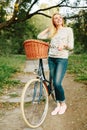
(59, 72)
(52, 65)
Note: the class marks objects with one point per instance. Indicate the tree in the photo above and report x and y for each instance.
(23, 10)
(11, 39)
(23, 20)
(80, 31)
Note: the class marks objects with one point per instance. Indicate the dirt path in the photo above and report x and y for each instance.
(75, 118)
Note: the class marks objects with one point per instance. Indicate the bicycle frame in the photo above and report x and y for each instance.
(41, 71)
(41, 75)
(50, 84)
(43, 79)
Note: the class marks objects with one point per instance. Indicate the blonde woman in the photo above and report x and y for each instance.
(61, 42)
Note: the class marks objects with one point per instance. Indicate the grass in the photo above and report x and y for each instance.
(13, 95)
(9, 66)
(78, 66)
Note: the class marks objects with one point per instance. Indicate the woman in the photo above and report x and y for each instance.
(61, 42)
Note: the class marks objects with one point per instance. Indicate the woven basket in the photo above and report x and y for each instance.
(36, 49)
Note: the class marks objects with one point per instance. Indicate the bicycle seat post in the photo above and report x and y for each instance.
(41, 68)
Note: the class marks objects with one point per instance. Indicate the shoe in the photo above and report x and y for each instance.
(56, 110)
(62, 109)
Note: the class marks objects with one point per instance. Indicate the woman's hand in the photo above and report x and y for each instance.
(66, 47)
(60, 47)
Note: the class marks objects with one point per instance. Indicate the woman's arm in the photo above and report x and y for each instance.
(44, 34)
(70, 45)
(70, 41)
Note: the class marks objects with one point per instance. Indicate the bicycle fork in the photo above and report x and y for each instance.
(41, 76)
(36, 99)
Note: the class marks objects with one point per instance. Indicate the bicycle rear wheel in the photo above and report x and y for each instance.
(34, 103)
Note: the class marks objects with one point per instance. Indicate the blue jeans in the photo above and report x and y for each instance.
(57, 69)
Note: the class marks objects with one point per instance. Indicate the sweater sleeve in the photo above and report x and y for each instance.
(44, 34)
(70, 39)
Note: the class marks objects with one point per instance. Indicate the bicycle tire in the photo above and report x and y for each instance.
(34, 111)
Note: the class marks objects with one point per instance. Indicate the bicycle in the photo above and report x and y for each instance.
(34, 99)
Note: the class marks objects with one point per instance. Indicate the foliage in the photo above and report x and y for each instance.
(78, 66)
(11, 39)
(8, 67)
(80, 33)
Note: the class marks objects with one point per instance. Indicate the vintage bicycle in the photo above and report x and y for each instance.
(34, 99)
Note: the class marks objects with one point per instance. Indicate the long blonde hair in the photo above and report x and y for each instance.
(53, 28)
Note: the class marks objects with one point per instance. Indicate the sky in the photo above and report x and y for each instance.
(57, 1)
(63, 10)
(53, 2)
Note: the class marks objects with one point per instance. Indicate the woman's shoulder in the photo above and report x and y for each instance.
(68, 28)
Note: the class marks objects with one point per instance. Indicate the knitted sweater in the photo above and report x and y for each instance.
(64, 37)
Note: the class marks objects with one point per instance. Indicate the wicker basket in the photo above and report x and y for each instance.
(36, 49)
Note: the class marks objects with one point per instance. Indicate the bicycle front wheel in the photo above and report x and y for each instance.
(34, 103)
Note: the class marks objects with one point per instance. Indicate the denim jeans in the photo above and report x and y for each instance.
(57, 69)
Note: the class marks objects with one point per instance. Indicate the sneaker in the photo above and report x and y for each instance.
(56, 110)
(62, 109)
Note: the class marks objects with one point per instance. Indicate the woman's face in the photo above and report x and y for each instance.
(57, 20)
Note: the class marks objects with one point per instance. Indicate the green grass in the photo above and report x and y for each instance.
(8, 67)
(13, 95)
(78, 66)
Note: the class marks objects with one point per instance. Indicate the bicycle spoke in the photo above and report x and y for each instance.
(35, 103)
